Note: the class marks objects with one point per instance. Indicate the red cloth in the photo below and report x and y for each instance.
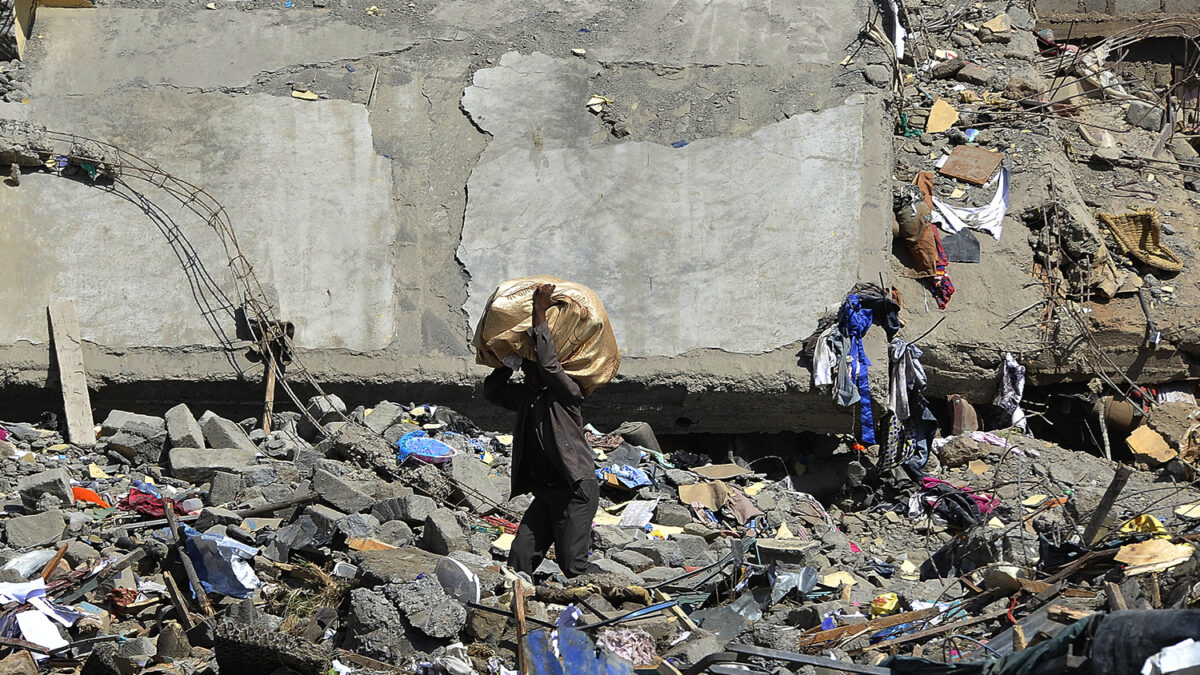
(144, 503)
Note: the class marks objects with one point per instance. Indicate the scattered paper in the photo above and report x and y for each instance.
(1148, 443)
(96, 472)
(941, 117)
(638, 513)
(1152, 555)
(504, 542)
(1189, 511)
(36, 628)
(978, 467)
(306, 95)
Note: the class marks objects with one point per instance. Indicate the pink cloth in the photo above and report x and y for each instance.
(986, 503)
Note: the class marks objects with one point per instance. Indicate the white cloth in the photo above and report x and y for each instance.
(824, 358)
(513, 361)
(989, 218)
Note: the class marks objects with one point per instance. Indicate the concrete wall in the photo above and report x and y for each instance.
(1118, 8)
(451, 148)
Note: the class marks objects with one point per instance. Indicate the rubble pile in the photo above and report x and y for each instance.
(199, 544)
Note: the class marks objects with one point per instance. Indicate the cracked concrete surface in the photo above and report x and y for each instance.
(375, 222)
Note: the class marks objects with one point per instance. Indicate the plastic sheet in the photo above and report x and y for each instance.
(583, 335)
(419, 445)
(222, 563)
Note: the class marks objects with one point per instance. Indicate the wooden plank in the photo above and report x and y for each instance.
(1106, 503)
(872, 625)
(68, 349)
(1116, 599)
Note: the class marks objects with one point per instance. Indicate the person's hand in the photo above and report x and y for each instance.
(542, 301)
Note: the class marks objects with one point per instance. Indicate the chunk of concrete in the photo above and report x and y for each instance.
(139, 443)
(443, 534)
(325, 518)
(395, 565)
(198, 465)
(119, 418)
(383, 416)
(633, 560)
(1145, 115)
(224, 488)
(414, 509)
(35, 530)
(482, 496)
(183, 431)
(222, 433)
(339, 492)
(55, 482)
(427, 607)
(395, 532)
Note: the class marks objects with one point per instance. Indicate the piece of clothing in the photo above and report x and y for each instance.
(907, 374)
(853, 322)
(549, 418)
(824, 357)
(989, 218)
(562, 517)
(1010, 391)
(912, 427)
(928, 254)
(961, 246)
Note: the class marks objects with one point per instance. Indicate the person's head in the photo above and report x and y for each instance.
(533, 376)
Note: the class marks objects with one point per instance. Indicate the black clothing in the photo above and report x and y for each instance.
(560, 516)
(555, 414)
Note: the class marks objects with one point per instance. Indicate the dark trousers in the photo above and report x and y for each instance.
(559, 516)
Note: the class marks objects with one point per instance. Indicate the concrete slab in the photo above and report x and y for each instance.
(676, 241)
(304, 183)
(204, 50)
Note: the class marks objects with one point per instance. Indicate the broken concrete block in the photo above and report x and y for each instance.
(225, 488)
(339, 492)
(183, 430)
(172, 642)
(55, 482)
(383, 416)
(395, 532)
(197, 465)
(139, 443)
(1145, 115)
(357, 525)
(119, 418)
(427, 608)
(472, 473)
(38, 529)
(611, 536)
(973, 74)
(443, 534)
(414, 509)
(215, 515)
(325, 518)
(222, 433)
(638, 562)
(672, 514)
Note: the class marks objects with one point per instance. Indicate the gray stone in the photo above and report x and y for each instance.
(657, 575)
(633, 560)
(1020, 18)
(395, 532)
(183, 430)
(611, 536)
(680, 477)
(473, 473)
(325, 518)
(260, 475)
(1107, 155)
(222, 433)
(197, 466)
(172, 642)
(387, 510)
(383, 416)
(878, 75)
(1145, 115)
(225, 488)
(215, 515)
(142, 647)
(395, 565)
(326, 409)
(357, 525)
(139, 443)
(973, 74)
(427, 607)
(55, 482)
(119, 418)
(672, 514)
(693, 548)
(79, 552)
(663, 552)
(414, 509)
(340, 492)
(38, 529)
(442, 533)
(609, 566)
(1182, 148)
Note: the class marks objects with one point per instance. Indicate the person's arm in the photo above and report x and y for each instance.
(499, 391)
(545, 352)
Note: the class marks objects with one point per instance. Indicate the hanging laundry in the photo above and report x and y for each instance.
(1010, 390)
(864, 306)
(912, 425)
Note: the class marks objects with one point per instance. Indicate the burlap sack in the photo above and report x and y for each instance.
(587, 348)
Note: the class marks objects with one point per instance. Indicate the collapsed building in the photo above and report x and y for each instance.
(993, 205)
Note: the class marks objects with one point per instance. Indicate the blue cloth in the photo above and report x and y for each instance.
(629, 476)
(418, 444)
(854, 320)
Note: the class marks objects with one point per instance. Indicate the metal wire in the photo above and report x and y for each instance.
(122, 167)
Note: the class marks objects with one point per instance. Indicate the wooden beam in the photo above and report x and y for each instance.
(1116, 599)
(1106, 504)
(68, 349)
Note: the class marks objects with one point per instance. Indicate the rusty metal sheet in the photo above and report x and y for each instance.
(972, 164)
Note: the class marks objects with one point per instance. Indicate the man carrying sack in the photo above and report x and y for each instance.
(551, 457)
